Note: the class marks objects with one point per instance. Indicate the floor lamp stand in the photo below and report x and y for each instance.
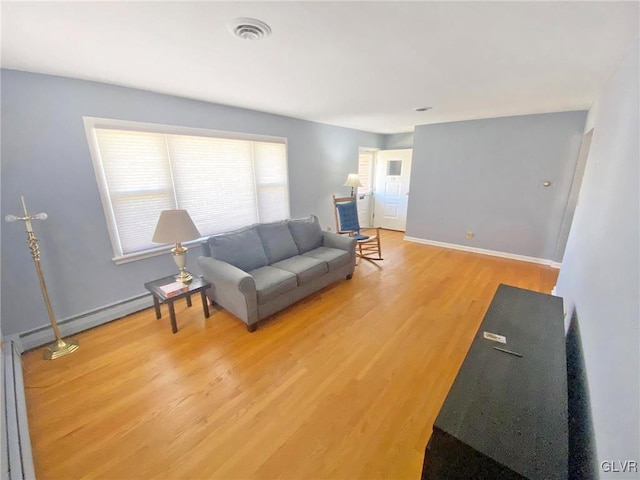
(60, 347)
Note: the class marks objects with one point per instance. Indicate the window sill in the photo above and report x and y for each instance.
(155, 252)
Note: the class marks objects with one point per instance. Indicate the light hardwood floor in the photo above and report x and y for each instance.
(345, 384)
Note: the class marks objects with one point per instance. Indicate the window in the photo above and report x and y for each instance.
(224, 180)
(365, 171)
(394, 167)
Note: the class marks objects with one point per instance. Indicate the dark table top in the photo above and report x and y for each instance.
(514, 409)
(194, 285)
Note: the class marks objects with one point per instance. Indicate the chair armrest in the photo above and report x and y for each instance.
(223, 274)
(343, 242)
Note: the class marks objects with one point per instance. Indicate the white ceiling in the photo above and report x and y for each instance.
(363, 65)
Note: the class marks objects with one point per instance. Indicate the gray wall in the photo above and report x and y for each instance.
(393, 141)
(45, 157)
(599, 279)
(485, 176)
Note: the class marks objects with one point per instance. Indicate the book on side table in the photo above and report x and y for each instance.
(173, 289)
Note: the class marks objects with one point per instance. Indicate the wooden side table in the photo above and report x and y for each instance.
(196, 285)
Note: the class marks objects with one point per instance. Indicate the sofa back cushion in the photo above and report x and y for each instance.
(277, 241)
(241, 248)
(306, 233)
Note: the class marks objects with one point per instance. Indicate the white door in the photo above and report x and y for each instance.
(393, 173)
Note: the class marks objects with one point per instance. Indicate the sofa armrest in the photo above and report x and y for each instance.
(218, 272)
(343, 242)
(231, 288)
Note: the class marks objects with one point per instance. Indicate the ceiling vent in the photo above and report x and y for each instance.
(250, 29)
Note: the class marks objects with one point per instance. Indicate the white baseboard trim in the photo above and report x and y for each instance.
(482, 251)
(70, 326)
(17, 460)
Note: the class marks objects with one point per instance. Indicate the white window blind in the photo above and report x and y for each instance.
(365, 172)
(224, 183)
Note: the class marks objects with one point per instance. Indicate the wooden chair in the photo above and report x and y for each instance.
(346, 213)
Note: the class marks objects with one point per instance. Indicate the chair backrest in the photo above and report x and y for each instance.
(346, 212)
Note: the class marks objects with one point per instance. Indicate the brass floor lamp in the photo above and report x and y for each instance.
(60, 347)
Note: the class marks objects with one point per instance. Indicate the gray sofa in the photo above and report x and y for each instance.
(259, 270)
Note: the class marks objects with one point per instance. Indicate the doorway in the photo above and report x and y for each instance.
(366, 166)
(574, 196)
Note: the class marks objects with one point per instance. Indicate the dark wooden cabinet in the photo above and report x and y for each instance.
(506, 415)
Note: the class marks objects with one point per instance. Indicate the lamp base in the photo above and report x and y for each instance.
(60, 348)
(180, 257)
(184, 277)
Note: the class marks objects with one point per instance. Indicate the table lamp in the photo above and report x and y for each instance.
(353, 181)
(176, 226)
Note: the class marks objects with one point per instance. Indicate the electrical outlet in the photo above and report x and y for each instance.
(470, 235)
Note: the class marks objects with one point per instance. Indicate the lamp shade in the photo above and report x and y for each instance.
(353, 181)
(175, 226)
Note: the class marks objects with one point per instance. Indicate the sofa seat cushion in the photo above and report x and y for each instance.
(305, 268)
(271, 282)
(306, 233)
(334, 257)
(241, 248)
(277, 241)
